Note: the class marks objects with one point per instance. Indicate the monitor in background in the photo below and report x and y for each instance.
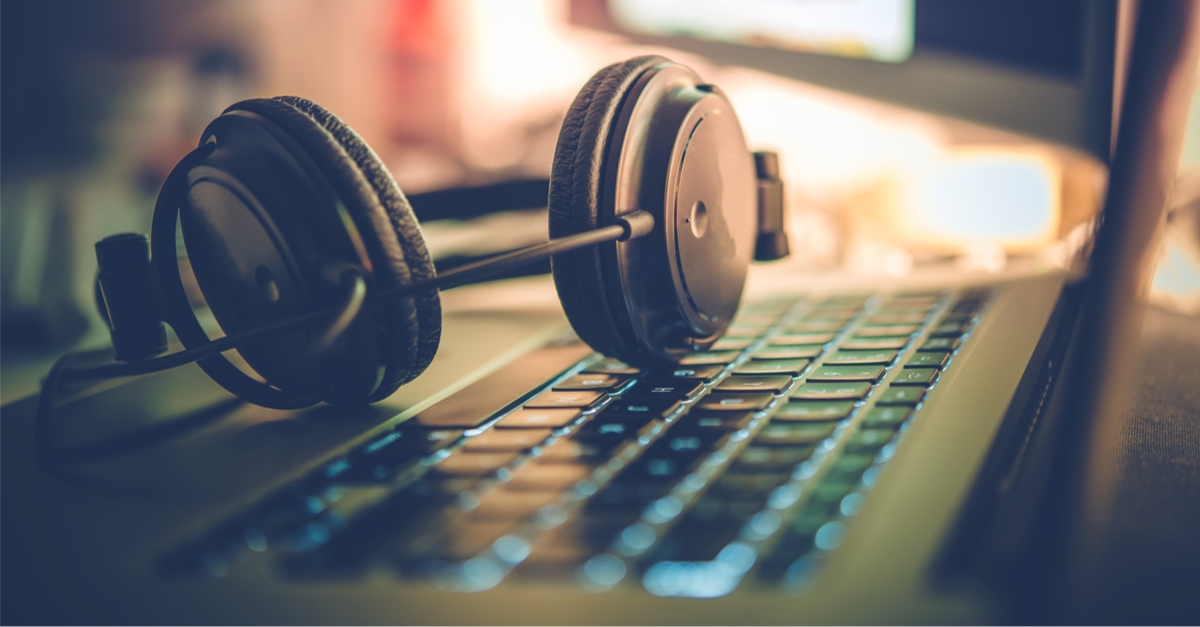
(1036, 68)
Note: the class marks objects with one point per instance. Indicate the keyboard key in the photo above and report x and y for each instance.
(904, 307)
(813, 411)
(830, 491)
(950, 326)
(907, 305)
(506, 440)
(504, 504)
(556, 555)
(940, 344)
(733, 343)
(789, 434)
(753, 383)
(551, 400)
(760, 318)
(897, 318)
(789, 352)
(825, 315)
(846, 373)
(548, 477)
(735, 402)
(474, 464)
(844, 300)
(817, 326)
(381, 458)
(618, 504)
(756, 458)
(746, 330)
(862, 357)
(659, 466)
(627, 417)
(948, 329)
(288, 510)
(590, 382)
(831, 391)
(916, 376)
(618, 430)
(902, 395)
(849, 467)
(884, 330)
(776, 305)
(886, 417)
(539, 418)
(869, 440)
(773, 366)
(592, 451)
(637, 411)
(698, 539)
(713, 421)
(674, 389)
(966, 307)
(710, 357)
(703, 373)
(792, 339)
(874, 343)
(468, 539)
(610, 366)
(684, 445)
(751, 482)
(928, 360)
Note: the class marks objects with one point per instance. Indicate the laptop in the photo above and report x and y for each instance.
(852, 451)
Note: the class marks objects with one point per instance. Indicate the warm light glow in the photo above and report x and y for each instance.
(1004, 197)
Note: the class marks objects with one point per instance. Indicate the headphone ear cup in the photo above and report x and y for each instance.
(403, 227)
(593, 304)
(385, 221)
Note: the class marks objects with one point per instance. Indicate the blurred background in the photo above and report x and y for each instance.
(100, 101)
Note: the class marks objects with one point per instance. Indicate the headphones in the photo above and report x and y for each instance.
(290, 221)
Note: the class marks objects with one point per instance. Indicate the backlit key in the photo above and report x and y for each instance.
(902, 395)
(940, 344)
(862, 357)
(874, 343)
(846, 373)
(611, 366)
(735, 402)
(916, 376)
(773, 366)
(789, 352)
(929, 359)
(831, 391)
(710, 357)
(507, 440)
(539, 418)
(886, 330)
(886, 417)
(792, 339)
(549, 400)
(813, 411)
(590, 382)
(754, 383)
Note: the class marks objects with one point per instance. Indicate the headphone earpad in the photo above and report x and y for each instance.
(383, 218)
(576, 184)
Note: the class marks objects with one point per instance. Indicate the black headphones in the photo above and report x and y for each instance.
(290, 220)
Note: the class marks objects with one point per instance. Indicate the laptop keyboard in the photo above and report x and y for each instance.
(741, 465)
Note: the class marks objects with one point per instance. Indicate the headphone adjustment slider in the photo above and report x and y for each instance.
(772, 242)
